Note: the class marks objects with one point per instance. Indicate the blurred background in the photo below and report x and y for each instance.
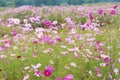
(17, 3)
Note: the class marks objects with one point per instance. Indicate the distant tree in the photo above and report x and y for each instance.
(69, 1)
(40, 2)
(63, 1)
(81, 1)
(18, 3)
(53, 2)
(75, 2)
(3, 3)
(30, 2)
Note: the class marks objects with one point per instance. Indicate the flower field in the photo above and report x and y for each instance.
(60, 42)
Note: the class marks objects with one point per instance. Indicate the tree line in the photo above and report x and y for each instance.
(17, 3)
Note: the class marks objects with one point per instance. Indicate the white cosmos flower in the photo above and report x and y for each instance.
(16, 21)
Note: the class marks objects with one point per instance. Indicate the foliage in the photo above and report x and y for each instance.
(18, 3)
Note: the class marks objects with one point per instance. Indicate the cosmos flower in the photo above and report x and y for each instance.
(69, 77)
(46, 39)
(112, 11)
(116, 71)
(48, 71)
(16, 21)
(2, 48)
(48, 23)
(98, 71)
(100, 11)
(91, 16)
(115, 6)
(58, 39)
(107, 59)
(14, 32)
(32, 19)
(38, 73)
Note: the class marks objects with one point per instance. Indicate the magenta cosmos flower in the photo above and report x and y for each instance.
(112, 11)
(107, 60)
(59, 39)
(48, 23)
(48, 71)
(14, 32)
(91, 16)
(115, 6)
(100, 11)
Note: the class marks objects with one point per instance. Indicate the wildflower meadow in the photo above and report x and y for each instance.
(60, 42)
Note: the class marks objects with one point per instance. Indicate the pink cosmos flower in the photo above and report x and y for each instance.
(38, 73)
(2, 48)
(46, 39)
(116, 71)
(75, 54)
(97, 48)
(98, 72)
(14, 32)
(102, 50)
(97, 69)
(8, 41)
(78, 36)
(11, 20)
(32, 19)
(69, 77)
(48, 23)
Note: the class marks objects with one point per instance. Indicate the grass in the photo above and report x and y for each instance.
(13, 66)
